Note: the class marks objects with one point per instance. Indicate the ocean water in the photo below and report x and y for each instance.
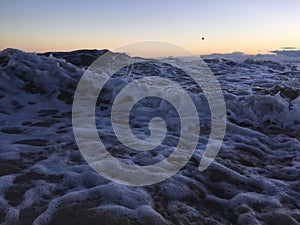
(255, 178)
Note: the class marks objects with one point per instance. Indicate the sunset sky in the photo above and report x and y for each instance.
(232, 25)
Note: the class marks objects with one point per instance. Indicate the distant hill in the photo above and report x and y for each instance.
(289, 53)
(277, 55)
(80, 58)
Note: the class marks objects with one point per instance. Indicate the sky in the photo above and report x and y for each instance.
(252, 27)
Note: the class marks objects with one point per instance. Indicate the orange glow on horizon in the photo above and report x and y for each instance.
(195, 48)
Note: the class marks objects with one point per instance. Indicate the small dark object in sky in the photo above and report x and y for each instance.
(202, 38)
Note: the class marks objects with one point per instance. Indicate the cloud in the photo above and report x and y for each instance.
(289, 48)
